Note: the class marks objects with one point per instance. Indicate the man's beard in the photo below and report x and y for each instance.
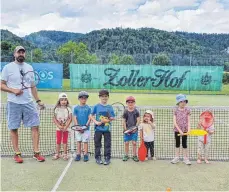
(20, 59)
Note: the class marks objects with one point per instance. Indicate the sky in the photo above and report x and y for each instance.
(23, 17)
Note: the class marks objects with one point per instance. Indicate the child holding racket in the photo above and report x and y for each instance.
(62, 119)
(205, 141)
(147, 129)
(102, 115)
(131, 118)
(82, 117)
(181, 121)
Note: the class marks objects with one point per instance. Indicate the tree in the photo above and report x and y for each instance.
(6, 46)
(226, 66)
(161, 59)
(72, 52)
(37, 55)
(127, 59)
(114, 59)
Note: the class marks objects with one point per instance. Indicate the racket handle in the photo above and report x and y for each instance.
(183, 134)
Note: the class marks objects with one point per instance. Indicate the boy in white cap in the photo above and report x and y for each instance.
(147, 129)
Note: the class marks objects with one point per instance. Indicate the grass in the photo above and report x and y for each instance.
(142, 99)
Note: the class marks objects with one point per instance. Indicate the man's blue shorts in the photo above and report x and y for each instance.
(26, 113)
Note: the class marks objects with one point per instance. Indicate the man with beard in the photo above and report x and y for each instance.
(20, 106)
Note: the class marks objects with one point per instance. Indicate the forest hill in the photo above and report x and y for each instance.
(162, 77)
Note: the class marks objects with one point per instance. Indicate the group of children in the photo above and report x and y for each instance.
(102, 114)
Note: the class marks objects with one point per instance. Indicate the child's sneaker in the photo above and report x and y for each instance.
(65, 157)
(175, 160)
(99, 160)
(199, 161)
(78, 157)
(135, 158)
(154, 158)
(107, 161)
(125, 158)
(17, 158)
(187, 162)
(55, 157)
(38, 157)
(85, 158)
(206, 161)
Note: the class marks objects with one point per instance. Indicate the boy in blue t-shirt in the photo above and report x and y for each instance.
(102, 115)
(82, 117)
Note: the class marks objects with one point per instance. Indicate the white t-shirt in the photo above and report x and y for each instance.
(11, 74)
(62, 114)
(201, 138)
(148, 131)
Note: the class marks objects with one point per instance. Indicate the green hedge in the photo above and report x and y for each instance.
(226, 78)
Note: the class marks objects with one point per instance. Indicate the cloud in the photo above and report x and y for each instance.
(23, 17)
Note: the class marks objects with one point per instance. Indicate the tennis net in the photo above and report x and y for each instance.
(164, 136)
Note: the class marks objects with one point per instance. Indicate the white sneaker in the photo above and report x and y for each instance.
(187, 162)
(175, 160)
(154, 158)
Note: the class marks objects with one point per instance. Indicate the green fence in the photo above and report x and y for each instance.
(145, 77)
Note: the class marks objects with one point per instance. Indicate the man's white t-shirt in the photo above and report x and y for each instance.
(11, 74)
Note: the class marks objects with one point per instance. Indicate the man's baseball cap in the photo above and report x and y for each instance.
(19, 48)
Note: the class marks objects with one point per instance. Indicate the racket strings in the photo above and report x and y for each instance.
(30, 79)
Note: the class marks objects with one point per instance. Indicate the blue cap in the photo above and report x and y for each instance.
(181, 97)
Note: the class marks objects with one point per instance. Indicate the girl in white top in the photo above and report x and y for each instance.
(147, 129)
(62, 120)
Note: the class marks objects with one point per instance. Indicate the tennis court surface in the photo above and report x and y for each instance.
(118, 176)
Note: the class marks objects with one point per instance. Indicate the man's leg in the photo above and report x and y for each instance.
(31, 119)
(14, 117)
(35, 137)
(14, 139)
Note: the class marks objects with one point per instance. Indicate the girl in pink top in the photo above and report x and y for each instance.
(181, 121)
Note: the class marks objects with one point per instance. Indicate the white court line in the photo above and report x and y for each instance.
(62, 176)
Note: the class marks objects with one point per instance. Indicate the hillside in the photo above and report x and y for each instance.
(142, 44)
(48, 39)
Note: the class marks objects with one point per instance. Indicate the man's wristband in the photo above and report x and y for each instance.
(38, 101)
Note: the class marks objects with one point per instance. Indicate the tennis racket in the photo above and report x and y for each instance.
(195, 132)
(80, 128)
(62, 115)
(118, 109)
(142, 151)
(206, 120)
(30, 79)
(131, 130)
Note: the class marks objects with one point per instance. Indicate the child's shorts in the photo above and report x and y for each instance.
(83, 137)
(130, 137)
(203, 148)
(61, 137)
